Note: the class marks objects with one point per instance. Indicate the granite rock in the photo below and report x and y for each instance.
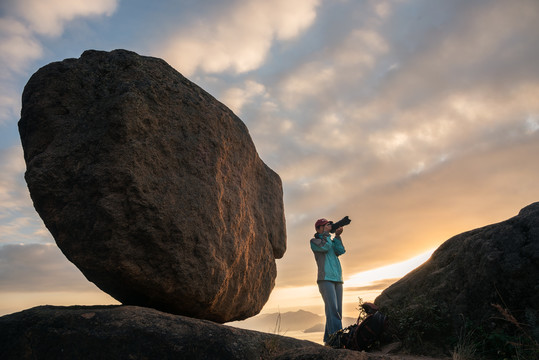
(152, 187)
(131, 332)
(472, 278)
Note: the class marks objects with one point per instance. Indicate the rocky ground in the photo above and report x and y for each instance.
(130, 332)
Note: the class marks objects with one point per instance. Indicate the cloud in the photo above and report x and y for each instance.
(18, 45)
(375, 285)
(13, 191)
(19, 222)
(38, 268)
(532, 124)
(309, 81)
(18, 301)
(22, 24)
(395, 220)
(38, 274)
(361, 48)
(434, 146)
(467, 44)
(49, 17)
(236, 97)
(378, 103)
(426, 108)
(25, 20)
(9, 105)
(238, 38)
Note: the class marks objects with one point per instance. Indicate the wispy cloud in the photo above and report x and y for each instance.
(19, 222)
(13, 191)
(404, 125)
(238, 38)
(38, 268)
(23, 24)
(49, 17)
(237, 97)
(18, 45)
(378, 285)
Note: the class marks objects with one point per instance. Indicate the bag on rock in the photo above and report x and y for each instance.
(361, 336)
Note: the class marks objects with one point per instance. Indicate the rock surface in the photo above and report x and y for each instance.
(151, 187)
(130, 332)
(497, 264)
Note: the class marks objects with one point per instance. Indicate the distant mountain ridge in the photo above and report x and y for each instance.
(300, 320)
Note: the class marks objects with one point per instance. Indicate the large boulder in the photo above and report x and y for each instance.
(476, 282)
(152, 187)
(130, 332)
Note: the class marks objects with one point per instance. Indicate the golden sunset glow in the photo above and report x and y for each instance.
(417, 119)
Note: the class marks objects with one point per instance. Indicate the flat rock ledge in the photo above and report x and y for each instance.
(131, 332)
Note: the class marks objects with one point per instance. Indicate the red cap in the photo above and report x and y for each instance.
(320, 222)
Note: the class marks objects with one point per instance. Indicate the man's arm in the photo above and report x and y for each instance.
(337, 242)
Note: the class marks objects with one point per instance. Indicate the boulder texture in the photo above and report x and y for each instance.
(152, 187)
(474, 277)
(130, 332)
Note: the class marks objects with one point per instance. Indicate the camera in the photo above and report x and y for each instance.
(343, 222)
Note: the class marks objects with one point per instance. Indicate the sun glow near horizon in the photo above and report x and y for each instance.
(366, 285)
(391, 271)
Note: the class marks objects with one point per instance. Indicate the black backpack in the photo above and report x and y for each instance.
(361, 336)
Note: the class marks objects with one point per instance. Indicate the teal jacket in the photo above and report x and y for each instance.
(326, 252)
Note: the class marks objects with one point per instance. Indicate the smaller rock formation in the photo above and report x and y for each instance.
(469, 273)
(152, 187)
(130, 332)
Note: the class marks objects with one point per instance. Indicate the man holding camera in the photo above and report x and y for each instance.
(330, 282)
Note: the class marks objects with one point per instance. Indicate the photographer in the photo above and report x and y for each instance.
(330, 282)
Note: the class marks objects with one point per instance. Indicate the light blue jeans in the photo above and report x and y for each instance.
(332, 295)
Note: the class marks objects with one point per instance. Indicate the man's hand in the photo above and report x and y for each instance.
(338, 232)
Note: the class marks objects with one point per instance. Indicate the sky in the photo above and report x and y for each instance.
(419, 119)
